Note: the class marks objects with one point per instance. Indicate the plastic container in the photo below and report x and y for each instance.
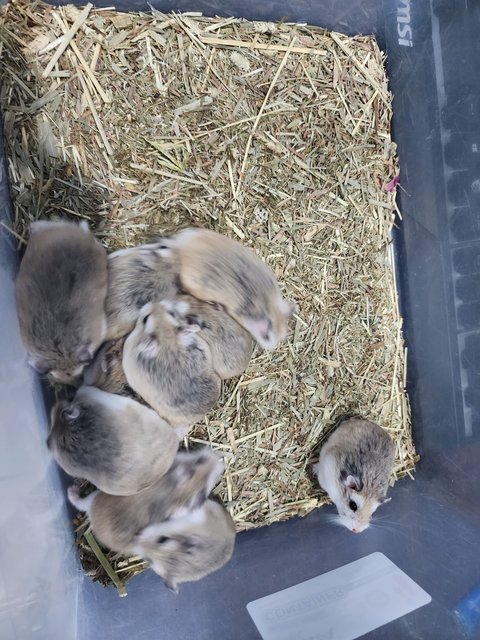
(433, 530)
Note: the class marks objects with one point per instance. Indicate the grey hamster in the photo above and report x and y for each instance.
(60, 295)
(116, 443)
(230, 344)
(135, 276)
(215, 268)
(170, 367)
(116, 520)
(354, 468)
(190, 547)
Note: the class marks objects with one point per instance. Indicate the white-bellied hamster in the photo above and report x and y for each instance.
(230, 344)
(215, 268)
(60, 294)
(136, 276)
(117, 520)
(190, 547)
(170, 367)
(354, 468)
(116, 443)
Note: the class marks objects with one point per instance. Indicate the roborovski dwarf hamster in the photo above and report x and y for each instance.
(354, 468)
(60, 294)
(215, 268)
(116, 443)
(170, 367)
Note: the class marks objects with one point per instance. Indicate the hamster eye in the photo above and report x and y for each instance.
(145, 320)
(353, 505)
(162, 540)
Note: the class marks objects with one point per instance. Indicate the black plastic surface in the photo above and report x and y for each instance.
(431, 528)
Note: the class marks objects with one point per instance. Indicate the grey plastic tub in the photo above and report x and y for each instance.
(434, 531)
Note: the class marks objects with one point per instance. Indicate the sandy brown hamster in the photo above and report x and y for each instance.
(354, 468)
(116, 443)
(135, 276)
(190, 547)
(106, 370)
(60, 295)
(170, 367)
(230, 344)
(215, 268)
(117, 520)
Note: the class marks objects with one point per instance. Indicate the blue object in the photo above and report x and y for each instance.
(468, 611)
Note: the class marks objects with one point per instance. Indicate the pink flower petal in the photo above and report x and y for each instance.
(390, 186)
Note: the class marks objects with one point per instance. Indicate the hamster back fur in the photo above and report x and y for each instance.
(60, 294)
(190, 547)
(230, 344)
(136, 276)
(354, 468)
(216, 268)
(170, 367)
(117, 444)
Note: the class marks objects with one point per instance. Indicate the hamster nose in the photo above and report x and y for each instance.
(355, 530)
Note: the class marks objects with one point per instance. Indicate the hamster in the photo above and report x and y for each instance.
(60, 295)
(135, 276)
(230, 344)
(170, 367)
(215, 268)
(354, 469)
(190, 547)
(116, 443)
(106, 370)
(117, 520)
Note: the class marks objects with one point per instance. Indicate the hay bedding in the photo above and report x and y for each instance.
(277, 135)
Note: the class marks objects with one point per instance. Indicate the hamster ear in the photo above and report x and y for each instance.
(71, 413)
(194, 322)
(193, 326)
(149, 259)
(170, 584)
(260, 330)
(84, 354)
(151, 534)
(40, 364)
(185, 335)
(287, 308)
(352, 482)
(38, 226)
(163, 247)
(146, 310)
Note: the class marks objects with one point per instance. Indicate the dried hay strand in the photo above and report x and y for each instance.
(275, 134)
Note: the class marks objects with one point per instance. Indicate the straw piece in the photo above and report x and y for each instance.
(226, 42)
(93, 544)
(259, 115)
(88, 69)
(67, 39)
(95, 115)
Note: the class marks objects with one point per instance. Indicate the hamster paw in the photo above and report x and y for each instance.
(73, 494)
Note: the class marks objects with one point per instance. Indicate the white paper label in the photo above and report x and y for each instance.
(342, 604)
